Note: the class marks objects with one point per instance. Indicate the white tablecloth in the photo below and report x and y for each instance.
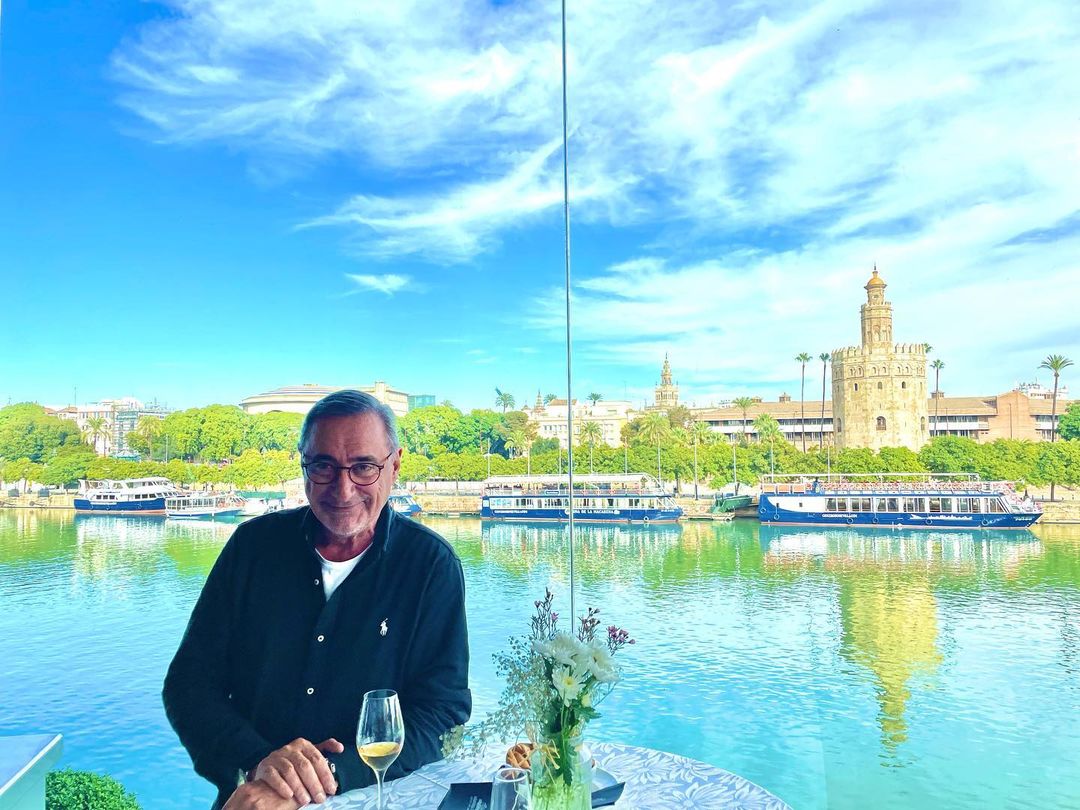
(655, 780)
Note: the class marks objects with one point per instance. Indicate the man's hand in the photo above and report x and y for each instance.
(258, 796)
(299, 771)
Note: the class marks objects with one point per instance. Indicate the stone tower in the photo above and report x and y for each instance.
(879, 387)
(667, 394)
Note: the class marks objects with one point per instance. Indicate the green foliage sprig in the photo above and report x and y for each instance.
(69, 789)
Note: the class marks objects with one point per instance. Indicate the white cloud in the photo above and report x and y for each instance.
(837, 115)
(790, 144)
(388, 283)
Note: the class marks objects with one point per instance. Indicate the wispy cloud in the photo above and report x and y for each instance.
(789, 144)
(838, 116)
(388, 283)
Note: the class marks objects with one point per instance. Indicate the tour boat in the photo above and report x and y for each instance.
(626, 498)
(133, 496)
(202, 506)
(908, 500)
(403, 503)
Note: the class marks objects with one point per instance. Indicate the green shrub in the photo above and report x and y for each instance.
(68, 789)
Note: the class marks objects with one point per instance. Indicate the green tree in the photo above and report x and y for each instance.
(945, 454)
(655, 429)
(768, 429)
(744, 404)
(278, 430)
(147, 431)
(27, 431)
(803, 358)
(1069, 423)
(824, 357)
(22, 469)
(590, 434)
(1055, 363)
(427, 430)
(68, 465)
(937, 365)
(595, 397)
(549, 398)
(69, 789)
(181, 432)
(223, 433)
(504, 400)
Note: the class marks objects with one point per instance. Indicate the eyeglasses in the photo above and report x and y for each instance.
(362, 473)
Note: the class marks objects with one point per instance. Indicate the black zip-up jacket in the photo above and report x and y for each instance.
(266, 658)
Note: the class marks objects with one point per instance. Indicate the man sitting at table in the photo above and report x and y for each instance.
(305, 610)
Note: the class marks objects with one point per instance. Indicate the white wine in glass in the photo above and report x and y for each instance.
(380, 733)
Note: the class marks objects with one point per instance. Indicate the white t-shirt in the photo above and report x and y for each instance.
(334, 573)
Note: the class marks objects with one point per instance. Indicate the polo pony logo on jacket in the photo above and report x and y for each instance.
(382, 628)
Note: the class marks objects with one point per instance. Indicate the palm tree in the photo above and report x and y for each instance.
(1055, 363)
(590, 434)
(549, 398)
(937, 366)
(744, 403)
(803, 358)
(503, 400)
(927, 348)
(97, 427)
(824, 357)
(595, 397)
(147, 429)
(655, 427)
(515, 442)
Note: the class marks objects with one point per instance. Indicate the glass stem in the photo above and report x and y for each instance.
(378, 782)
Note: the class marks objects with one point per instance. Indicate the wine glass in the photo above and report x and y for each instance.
(380, 733)
(510, 789)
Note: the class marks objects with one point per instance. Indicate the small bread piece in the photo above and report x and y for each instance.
(518, 755)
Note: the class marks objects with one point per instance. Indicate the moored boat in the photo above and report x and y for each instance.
(907, 500)
(626, 498)
(202, 506)
(132, 496)
(404, 503)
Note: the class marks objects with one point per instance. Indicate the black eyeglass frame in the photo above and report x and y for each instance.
(337, 468)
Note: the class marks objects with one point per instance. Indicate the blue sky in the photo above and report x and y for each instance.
(204, 200)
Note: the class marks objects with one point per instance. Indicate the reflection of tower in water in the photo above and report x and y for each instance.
(889, 621)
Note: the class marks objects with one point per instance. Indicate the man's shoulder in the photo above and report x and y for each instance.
(418, 540)
(281, 526)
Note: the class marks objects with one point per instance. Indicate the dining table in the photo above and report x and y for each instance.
(654, 780)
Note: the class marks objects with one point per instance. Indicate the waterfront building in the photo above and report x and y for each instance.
(1010, 415)
(118, 417)
(300, 398)
(550, 419)
(879, 387)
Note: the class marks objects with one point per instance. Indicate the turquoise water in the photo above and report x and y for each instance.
(838, 668)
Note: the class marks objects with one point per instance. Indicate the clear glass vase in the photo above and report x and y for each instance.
(562, 776)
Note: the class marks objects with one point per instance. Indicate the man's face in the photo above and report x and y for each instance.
(346, 509)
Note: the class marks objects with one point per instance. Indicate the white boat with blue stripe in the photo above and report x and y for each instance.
(621, 498)
(895, 500)
(132, 496)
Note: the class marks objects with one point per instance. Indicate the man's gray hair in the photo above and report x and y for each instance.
(349, 403)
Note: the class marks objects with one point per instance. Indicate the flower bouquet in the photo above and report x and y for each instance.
(554, 682)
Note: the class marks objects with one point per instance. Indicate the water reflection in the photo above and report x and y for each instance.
(805, 659)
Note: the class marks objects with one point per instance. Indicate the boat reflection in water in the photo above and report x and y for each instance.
(856, 544)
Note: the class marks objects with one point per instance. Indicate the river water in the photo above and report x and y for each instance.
(836, 667)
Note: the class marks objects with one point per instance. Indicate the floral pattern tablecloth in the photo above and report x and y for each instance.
(655, 780)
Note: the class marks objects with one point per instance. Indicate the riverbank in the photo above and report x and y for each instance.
(1065, 510)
